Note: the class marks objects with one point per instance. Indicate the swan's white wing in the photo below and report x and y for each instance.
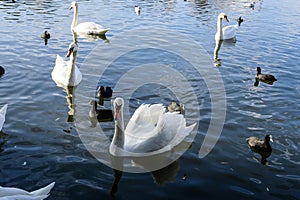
(2, 115)
(24, 197)
(90, 28)
(176, 128)
(43, 191)
(146, 122)
(168, 131)
(60, 73)
(229, 32)
(78, 76)
(11, 193)
(145, 119)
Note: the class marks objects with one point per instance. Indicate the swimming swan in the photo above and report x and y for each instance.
(10, 193)
(66, 73)
(89, 28)
(227, 32)
(150, 131)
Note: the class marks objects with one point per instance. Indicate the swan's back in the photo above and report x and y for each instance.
(90, 28)
(60, 73)
(229, 32)
(152, 129)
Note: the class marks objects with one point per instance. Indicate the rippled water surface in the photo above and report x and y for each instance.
(40, 140)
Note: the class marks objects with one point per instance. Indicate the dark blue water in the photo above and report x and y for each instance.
(40, 141)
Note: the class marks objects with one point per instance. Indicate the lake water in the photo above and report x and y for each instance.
(41, 141)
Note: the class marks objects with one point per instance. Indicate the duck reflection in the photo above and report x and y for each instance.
(99, 115)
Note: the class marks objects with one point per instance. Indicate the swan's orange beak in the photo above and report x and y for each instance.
(70, 51)
(116, 113)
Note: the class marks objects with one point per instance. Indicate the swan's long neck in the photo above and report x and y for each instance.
(71, 69)
(217, 48)
(219, 26)
(118, 138)
(75, 17)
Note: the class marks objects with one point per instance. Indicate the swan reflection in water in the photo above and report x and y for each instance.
(3, 140)
(70, 90)
(217, 60)
(219, 44)
(161, 176)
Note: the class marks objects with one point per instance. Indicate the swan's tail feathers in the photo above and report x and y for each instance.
(103, 31)
(43, 191)
(149, 113)
(3, 109)
(98, 32)
(2, 115)
(190, 128)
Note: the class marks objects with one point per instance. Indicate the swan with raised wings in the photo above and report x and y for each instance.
(150, 131)
(11, 193)
(89, 28)
(66, 73)
(227, 32)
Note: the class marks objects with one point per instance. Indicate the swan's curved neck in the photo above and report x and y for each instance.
(75, 17)
(118, 138)
(219, 26)
(71, 69)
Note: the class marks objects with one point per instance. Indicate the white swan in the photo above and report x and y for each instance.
(2, 115)
(227, 32)
(89, 28)
(137, 10)
(11, 193)
(250, 5)
(150, 131)
(66, 73)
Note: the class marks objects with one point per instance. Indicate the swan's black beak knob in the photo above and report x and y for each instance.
(70, 51)
(225, 17)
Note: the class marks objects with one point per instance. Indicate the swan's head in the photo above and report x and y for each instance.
(73, 5)
(118, 106)
(73, 47)
(223, 16)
